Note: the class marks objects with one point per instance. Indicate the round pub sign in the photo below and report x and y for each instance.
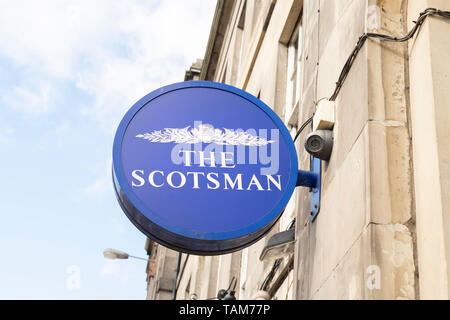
(202, 167)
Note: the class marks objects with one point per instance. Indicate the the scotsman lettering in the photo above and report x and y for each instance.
(206, 180)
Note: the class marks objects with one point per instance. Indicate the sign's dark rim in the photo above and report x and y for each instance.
(184, 244)
(125, 194)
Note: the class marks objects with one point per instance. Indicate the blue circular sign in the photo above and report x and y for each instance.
(202, 167)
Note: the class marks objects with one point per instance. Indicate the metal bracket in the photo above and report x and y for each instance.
(312, 179)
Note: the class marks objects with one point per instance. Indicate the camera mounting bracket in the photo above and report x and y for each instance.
(312, 179)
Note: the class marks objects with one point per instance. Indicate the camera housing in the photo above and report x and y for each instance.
(320, 144)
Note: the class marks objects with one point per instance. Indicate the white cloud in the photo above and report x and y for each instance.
(99, 187)
(119, 225)
(117, 51)
(61, 132)
(114, 269)
(4, 139)
(6, 135)
(34, 101)
(165, 42)
(103, 184)
(41, 35)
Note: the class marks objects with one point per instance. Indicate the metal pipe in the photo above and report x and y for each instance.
(307, 179)
(139, 258)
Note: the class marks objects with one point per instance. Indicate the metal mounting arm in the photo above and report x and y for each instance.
(312, 179)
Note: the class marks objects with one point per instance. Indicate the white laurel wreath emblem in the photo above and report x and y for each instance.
(205, 133)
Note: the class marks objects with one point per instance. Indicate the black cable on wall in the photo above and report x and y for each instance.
(348, 64)
(351, 59)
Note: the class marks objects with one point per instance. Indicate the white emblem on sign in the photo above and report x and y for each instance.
(205, 133)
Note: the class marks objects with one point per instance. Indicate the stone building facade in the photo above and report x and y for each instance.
(383, 231)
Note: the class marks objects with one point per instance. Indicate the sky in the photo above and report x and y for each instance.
(69, 72)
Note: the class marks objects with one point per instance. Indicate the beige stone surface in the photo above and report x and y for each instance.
(385, 207)
(379, 265)
(430, 117)
(367, 184)
(390, 172)
(343, 214)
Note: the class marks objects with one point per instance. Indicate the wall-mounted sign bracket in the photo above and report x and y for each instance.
(312, 180)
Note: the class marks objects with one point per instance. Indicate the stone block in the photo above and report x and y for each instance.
(343, 214)
(390, 173)
(380, 265)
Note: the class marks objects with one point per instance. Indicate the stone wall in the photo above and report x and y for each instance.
(384, 215)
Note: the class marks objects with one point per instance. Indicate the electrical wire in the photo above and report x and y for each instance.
(229, 290)
(318, 52)
(343, 75)
(304, 125)
(383, 37)
(291, 225)
(351, 59)
(231, 282)
(271, 275)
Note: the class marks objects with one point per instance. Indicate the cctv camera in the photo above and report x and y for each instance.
(320, 144)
